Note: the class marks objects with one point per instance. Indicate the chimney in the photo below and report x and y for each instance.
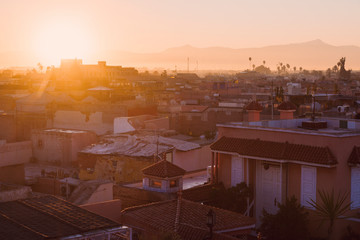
(253, 109)
(286, 110)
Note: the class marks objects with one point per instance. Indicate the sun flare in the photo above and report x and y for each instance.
(62, 39)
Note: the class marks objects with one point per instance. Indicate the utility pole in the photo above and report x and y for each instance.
(272, 104)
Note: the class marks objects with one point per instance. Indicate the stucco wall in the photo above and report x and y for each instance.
(55, 147)
(114, 168)
(15, 153)
(194, 159)
(103, 193)
(77, 120)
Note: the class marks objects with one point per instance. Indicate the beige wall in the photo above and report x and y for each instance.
(194, 159)
(15, 153)
(103, 193)
(77, 120)
(59, 147)
(225, 170)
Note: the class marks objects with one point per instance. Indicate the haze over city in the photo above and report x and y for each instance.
(47, 31)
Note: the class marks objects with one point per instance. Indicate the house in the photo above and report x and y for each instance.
(121, 157)
(60, 146)
(49, 217)
(282, 158)
(13, 157)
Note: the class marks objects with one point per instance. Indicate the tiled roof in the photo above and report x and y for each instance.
(354, 157)
(163, 169)
(47, 217)
(254, 106)
(191, 219)
(286, 106)
(275, 150)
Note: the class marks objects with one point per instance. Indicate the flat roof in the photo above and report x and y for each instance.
(336, 127)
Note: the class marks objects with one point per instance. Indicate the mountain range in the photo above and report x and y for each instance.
(310, 55)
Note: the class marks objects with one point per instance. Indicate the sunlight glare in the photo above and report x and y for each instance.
(62, 39)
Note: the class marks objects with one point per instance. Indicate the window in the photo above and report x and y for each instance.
(155, 184)
(174, 183)
(355, 187)
(168, 156)
(40, 143)
(308, 186)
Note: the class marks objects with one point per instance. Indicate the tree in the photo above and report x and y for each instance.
(234, 199)
(290, 222)
(330, 208)
(294, 69)
(262, 69)
(328, 72)
(250, 61)
(264, 62)
(335, 68)
(343, 73)
(40, 66)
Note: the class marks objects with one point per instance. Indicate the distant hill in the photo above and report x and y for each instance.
(308, 55)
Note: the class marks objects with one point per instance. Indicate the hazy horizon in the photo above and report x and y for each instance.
(48, 31)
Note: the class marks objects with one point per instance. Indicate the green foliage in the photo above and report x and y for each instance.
(330, 208)
(233, 199)
(290, 222)
(279, 94)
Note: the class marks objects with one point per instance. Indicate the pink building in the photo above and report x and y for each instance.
(60, 146)
(13, 156)
(282, 158)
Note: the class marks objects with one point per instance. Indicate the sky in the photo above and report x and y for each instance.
(63, 28)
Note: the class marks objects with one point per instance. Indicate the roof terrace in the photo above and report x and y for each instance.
(328, 126)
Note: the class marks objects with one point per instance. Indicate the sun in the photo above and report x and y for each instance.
(60, 39)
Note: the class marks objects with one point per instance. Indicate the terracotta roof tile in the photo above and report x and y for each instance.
(254, 106)
(286, 106)
(47, 217)
(192, 219)
(275, 150)
(163, 169)
(354, 158)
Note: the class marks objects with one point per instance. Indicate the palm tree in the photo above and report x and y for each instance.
(250, 61)
(300, 69)
(331, 208)
(264, 62)
(294, 69)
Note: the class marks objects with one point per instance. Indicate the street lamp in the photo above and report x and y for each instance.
(210, 222)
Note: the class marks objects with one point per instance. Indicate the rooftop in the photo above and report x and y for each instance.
(47, 217)
(181, 215)
(163, 169)
(276, 151)
(138, 145)
(335, 127)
